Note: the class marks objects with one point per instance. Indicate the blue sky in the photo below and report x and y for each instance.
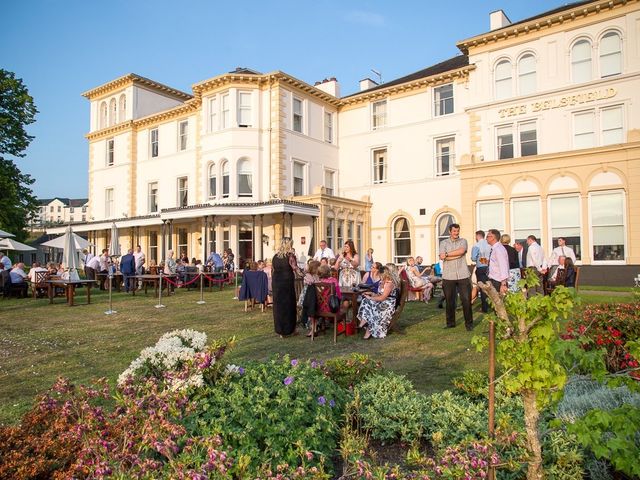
(65, 47)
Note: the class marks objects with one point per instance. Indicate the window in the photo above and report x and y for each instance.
(564, 219)
(154, 142)
(401, 240)
(212, 238)
(445, 155)
(527, 140)
(153, 246)
(584, 129)
(329, 182)
(108, 202)
(71, 218)
(611, 119)
(113, 112)
(298, 179)
(213, 114)
(51, 209)
(379, 114)
(328, 127)
(122, 108)
(84, 218)
(607, 226)
(611, 127)
(225, 180)
(525, 214)
(339, 233)
(443, 100)
(183, 191)
(110, 151)
(503, 80)
(581, 70)
(213, 183)
(329, 233)
(84, 209)
(350, 230)
(359, 240)
(527, 74)
(490, 215)
(226, 242)
(245, 183)
(183, 132)
(71, 210)
(245, 240)
(380, 166)
(610, 54)
(505, 142)
(59, 208)
(297, 115)
(153, 197)
(244, 109)
(226, 118)
(183, 242)
(103, 115)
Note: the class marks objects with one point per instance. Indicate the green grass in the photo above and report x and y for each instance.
(604, 288)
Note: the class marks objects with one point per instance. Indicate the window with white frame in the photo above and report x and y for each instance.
(443, 100)
(339, 233)
(328, 127)
(103, 115)
(298, 179)
(122, 107)
(581, 66)
(585, 127)
(213, 114)
(213, 181)
(225, 180)
(445, 155)
(183, 242)
(607, 226)
(379, 114)
(380, 166)
(527, 74)
(183, 134)
(108, 202)
(525, 218)
(152, 195)
(297, 115)
(330, 224)
(528, 138)
(245, 178)
(610, 54)
(612, 125)
(504, 136)
(183, 191)
(153, 141)
(490, 214)
(244, 109)
(401, 240)
(443, 223)
(527, 144)
(110, 152)
(225, 111)
(503, 80)
(564, 221)
(359, 240)
(329, 182)
(113, 112)
(153, 246)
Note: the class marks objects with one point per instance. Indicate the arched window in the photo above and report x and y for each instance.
(442, 228)
(225, 179)
(527, 74)
(103, 115)
(122, 108)
(113, 112)
(581, 70)
(401, 239)
(610, 54)
(503, 79)
(213, 181)
(245, 182)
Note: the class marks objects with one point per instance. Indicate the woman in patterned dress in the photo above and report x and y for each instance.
(376, 309)
(347, 263)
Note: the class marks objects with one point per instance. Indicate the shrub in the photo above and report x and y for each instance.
(271, 413)
(562, 457)
(453, 418)
(390, 408)
(351, 370)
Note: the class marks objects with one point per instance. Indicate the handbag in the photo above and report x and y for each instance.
(334, 303)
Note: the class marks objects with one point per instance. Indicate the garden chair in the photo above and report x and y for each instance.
(254, 289)
(323, 293)
(418, 290)
(39, 286)
(404, 289)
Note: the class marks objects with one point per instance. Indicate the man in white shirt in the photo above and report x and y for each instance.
(562, 250)
(140, 260)
(6, 261)
(92, 267)
(536, 259)
(35, 268)
(498, 268)
(324, 252)
(18, 278)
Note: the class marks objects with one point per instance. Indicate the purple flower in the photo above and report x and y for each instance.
(241, 371)
(332, 403)
(288, 381)
(322, 400)
(314, 364)
(294, 362)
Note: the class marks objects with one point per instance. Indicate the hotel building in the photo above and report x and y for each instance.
(533, 129)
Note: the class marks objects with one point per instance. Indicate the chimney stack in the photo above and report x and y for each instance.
(329, 85)
(498, 20)
(366, 84)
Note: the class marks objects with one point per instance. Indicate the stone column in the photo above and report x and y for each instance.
(291, 225)
(253, 238)
(261, 249)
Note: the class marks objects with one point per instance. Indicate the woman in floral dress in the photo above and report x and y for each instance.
(377, 309)
(347, 263)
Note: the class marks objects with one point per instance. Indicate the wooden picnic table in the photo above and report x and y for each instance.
(116, 281)
(69, 288)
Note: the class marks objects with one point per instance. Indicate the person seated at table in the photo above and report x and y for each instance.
(324, 276)
(61, 269)
(347, 263)
(372, 277)
(33, 278)
(18, 279)
(570, 275)
(184, 258)
(416, 280)
(153, 268)
(421, 268)
(199, 265)
(377, 308)
(180, 271)
(325, 261)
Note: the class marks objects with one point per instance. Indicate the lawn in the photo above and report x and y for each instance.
(39, 341)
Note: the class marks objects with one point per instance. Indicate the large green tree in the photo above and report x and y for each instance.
(17, 110)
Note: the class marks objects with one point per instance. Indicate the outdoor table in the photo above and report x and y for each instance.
(217, 277)
(117, 279)
(69, 288)
(147, 279)
(352, 295)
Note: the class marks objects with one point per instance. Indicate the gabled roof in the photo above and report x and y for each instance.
(78, 202)
(132, 78)
(245, 70)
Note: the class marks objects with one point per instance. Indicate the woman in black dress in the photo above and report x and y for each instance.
(284, 267)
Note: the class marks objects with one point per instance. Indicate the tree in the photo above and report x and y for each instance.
(17, 110)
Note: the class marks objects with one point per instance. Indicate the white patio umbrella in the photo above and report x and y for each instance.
(79, 242)
(114, 248)
(4, 234)
(70, 255)
(11, 244)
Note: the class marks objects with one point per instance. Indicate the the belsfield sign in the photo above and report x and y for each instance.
(559, 102)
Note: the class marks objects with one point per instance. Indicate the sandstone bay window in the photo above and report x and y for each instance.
(244, 109)
(183, 131)
(490, 214)
(108, 203)
(379, 114)
(213, 181)
(525, 218)
(298, 179)
(445, 155)
(607, 225)
(380, 166)
(581, 67)
(183, 191)
(110, 152)
(153, 142)
(564, 221)
(298, 118)
(153, 197)
(401, 240)
(443, 100)
(245, 179)
(225, 180)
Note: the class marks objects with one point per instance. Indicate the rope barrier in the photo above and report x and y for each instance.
(176, 284)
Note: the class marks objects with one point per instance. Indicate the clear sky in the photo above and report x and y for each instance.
(61, 48)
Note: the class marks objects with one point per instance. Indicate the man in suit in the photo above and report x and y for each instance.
(522, 253)
(128, 269)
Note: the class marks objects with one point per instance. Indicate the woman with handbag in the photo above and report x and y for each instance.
(285, 269)
(376, 309)
(332, 303)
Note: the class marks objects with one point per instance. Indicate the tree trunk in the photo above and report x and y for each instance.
(531, 417)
